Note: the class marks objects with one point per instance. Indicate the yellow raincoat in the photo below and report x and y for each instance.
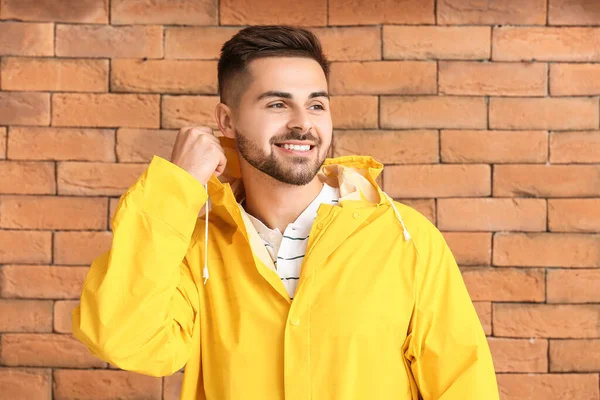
(381, 310)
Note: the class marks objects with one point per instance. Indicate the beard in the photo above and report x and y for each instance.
(298, 171)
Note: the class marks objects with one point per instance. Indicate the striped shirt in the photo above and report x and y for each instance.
(287, 250)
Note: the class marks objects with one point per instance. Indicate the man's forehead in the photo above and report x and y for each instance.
(300, 77)
(286, 69)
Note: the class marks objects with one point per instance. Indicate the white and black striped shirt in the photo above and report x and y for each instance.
(287, 250)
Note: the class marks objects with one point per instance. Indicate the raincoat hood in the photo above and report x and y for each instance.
(354, 176)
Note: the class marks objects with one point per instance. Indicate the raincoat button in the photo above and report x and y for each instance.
(320, 225)
(356, 215)
(295, 322)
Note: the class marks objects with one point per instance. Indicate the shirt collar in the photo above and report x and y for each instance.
(328, 195)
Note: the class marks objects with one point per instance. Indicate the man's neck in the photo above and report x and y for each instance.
(274, 203)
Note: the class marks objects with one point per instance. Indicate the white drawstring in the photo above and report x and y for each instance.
(405, 231)
(205, 270)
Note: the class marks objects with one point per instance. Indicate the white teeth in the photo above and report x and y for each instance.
(296, 147)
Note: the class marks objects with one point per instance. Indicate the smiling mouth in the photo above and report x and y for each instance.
(295, 147)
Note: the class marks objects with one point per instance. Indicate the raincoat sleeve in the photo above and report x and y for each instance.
(139, 303)
(448, 351)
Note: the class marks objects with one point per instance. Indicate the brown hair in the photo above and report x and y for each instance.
(263, 41)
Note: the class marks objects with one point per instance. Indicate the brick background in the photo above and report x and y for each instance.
(486, 114)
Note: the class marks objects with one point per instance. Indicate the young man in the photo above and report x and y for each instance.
(280, 274)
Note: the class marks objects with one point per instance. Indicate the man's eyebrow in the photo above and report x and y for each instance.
(319, 94)
(287, 95)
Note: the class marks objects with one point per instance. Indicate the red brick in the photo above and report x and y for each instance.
(545, 44)
(51, 282)
(414, 12)
(573, 286)
(575, 147)
(356, 43)
(98, 384)
(433, 112)
(25, 247)
(46, 350)
(26, 39)
(547, 180)
(21, 108)
(566, 250)
(181, 111)
(546, 320)
(62, 315)
(494, 147)
(481, 12)
(25, 177)
(48, 74)
(25, 383)
(109, 41)
(49, 212)
(172, 386)
(67, 144)
(79, 248)
(544, 113)
(424, 206)
(492, 79)
(505, 284)
(166, 12)
(106, 110)
(25, 316)
(87, 11)
(484, 311)
(97, 179)
(423, 181)
(437, 42)
(548, 386)
(140, 145)
(389, 147)
(383, 77)
(574, 355)
(164, 76)
(200, 43)
(492, 214)
(574, 79)
(470, 248)
(354, 112)
(2, 143)
(284, 12)
(569, 12)
(519, 355)
(574, 215)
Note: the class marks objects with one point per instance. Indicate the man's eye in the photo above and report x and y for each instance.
(318, 105)
(275, 104)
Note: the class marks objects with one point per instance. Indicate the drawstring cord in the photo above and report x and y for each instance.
(405, 231)
(205, 270)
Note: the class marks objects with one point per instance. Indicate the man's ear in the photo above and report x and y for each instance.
(224, 118)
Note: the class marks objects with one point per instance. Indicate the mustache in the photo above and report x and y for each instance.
(293, 135)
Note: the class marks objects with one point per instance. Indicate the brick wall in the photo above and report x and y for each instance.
(486, 114)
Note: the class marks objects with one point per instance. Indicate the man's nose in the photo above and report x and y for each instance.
(300, 122)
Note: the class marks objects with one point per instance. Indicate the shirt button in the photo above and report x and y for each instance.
(295, 322)
(356, 215)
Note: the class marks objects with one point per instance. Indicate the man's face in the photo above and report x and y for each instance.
(283, 123)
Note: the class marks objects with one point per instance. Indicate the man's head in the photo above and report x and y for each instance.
(275, 102)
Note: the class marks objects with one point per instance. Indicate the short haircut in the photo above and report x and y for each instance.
(262, 41)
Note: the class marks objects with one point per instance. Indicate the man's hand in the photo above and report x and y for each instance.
(198, 151)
